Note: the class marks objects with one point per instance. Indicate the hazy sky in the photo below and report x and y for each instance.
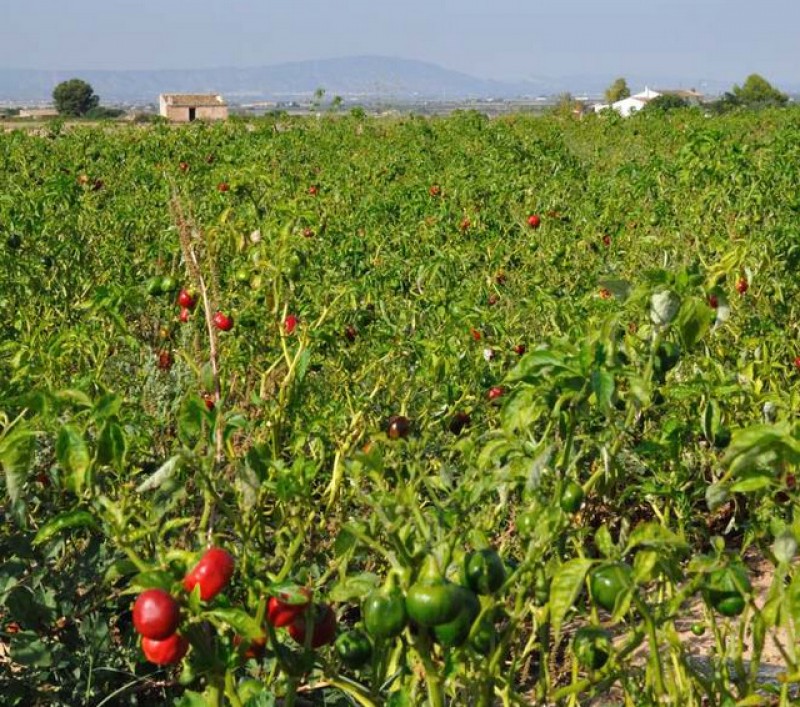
(503, 39)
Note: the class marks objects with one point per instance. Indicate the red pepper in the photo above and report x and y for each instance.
(283, 609)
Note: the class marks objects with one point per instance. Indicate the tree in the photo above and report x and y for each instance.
(617, 91)
(74, 97)
(666, 102)
(566, 105)
(756, 90)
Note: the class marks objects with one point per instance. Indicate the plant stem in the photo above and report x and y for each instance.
(230, 690)
(433, 681)
(652, 638)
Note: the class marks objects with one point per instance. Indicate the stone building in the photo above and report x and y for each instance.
(186, 107)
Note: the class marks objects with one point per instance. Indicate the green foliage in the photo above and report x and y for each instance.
(656, 390)
(566, 105)
(104, 113)
(74, 98)
(757, 91)
(617, 91)
(666, 102)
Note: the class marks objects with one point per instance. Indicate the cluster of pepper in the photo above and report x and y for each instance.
(726, 590)
(157, 614)
(434, 603)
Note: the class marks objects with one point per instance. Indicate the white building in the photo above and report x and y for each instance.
(628, 106)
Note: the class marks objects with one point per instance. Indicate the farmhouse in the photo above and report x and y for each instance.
(692, 97)
(38, 113)
(628, 106)
(186, 107)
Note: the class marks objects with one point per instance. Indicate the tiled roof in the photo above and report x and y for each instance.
(193, 100)
(682, 92)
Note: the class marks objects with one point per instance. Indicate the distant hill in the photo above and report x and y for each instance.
(351, 77)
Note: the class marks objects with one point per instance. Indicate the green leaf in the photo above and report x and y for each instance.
(107, 406)
(16, 457)
(353, 589)
(603, 387)
(717, 496)
(793, 600)
(112, 445)
(155, 579)
(207, 377)
(64, 521)
(344, 542)
(564, 590)
(289, 592)
(761, 446)
(752, 700)
(604, 542)
(232, 425)
(190, 698)
(75, 397)
(119, 569)
(190, 419)
(644, 563)
(752, 481)
(694, 321)
(711, 420)
(256, 459)
(29, 650)
(241, 622)
(73, 456)
(494, 452)
(302, 366)
(399, 698)
(536, 363)
(654, 535)
(521, 410)
(785, 547)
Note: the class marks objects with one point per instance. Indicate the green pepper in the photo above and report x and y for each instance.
(722, 438)
(384, 610)
(608, 582)
(455, 632)
(242, 275)
(726, 588)
(484, 638)
(433, 600)
(698, 629)
(571, 497)
(484, 571)
(591, 647)
(154, 286)
(354, 649)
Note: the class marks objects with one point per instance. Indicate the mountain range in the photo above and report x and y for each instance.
(355, 78)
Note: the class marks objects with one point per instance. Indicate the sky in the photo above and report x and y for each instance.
(500, 39)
